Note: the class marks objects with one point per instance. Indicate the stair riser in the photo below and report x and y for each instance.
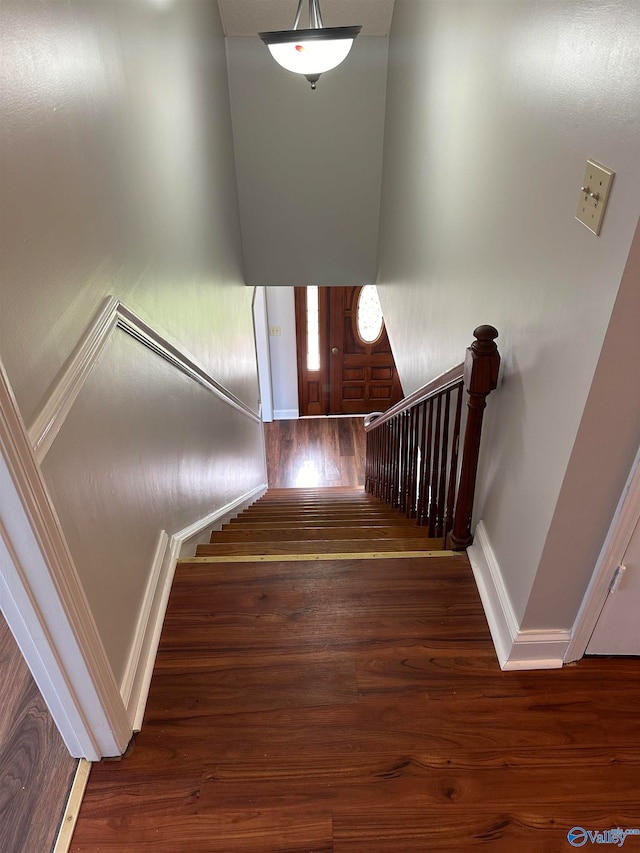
(322, 534)
(314, 522)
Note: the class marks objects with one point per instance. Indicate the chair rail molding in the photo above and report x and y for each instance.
(113, 315)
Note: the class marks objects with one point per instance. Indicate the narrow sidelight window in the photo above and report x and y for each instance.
(313, 329)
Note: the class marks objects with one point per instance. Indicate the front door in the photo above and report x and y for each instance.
(345, 363)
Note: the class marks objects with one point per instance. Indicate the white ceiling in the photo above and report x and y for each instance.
(248, 17)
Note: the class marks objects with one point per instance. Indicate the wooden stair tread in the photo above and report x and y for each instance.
(356, 557)
(246, 524)
(304, 546)
(322, 533)
(332, 509)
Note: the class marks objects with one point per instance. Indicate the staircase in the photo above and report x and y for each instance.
(314, 524)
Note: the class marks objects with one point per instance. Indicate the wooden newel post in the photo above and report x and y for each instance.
(481, 365)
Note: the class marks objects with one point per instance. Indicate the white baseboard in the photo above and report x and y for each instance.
(137, 678)
(286, 414)
(218, 516)
(515, 648)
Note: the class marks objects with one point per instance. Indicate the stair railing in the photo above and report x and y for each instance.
(413, 449)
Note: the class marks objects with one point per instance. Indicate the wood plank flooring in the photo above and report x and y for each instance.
(315, 452)
(356, 706)
(35, 768)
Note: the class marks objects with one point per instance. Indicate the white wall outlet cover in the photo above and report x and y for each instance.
(594, 194)
(275, 331)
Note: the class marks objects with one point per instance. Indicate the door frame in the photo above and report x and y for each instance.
(44, 604)
(620, 532)
(263, 359)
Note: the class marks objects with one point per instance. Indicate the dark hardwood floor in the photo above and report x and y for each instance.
(356, 706)
(315, 452)
(359, 707)
(35, 768)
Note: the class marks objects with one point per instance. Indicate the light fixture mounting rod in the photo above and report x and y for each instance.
(315, 15)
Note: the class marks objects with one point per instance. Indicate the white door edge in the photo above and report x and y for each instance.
(620, 532)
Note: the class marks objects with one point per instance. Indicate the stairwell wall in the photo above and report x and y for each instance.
(492, 112)
(118, 183)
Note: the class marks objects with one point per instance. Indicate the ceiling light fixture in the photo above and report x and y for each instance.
(313, 51)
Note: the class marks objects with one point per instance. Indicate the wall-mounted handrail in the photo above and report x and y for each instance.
(413, 448)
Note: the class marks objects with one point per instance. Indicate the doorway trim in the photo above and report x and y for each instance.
(623, 524)
(44, 604)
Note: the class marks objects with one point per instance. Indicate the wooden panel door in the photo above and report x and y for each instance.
(351, 376)
(362, 375)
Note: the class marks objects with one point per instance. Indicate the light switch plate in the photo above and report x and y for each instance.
(275, 331)
(594, 194)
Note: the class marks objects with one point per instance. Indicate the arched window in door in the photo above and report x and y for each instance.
(369, 321)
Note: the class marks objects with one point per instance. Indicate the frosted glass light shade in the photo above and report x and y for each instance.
(311, 57)
(310, 52)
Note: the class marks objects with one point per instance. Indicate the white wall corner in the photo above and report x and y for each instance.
(136, 682)
(516, 649)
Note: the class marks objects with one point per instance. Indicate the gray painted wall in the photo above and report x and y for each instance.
(492, 111)
(118, 178)
(309, 165)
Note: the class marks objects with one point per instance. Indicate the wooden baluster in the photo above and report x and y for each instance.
(404, 458)
(453, 468)
(423, 510)
(433, 502)
(387, 494)
(384, 452)
(442, 485)
(481, 366)
(394, 461)
(398, 459)
(376, 461)
(411, 460)
(386, 463)
(400, 439)
(415, 475)
(368, 462)
(383, 444)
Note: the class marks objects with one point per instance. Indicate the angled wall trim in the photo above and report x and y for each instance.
(137, 328)
(516, 649)
(44, 603)
(114, 314)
